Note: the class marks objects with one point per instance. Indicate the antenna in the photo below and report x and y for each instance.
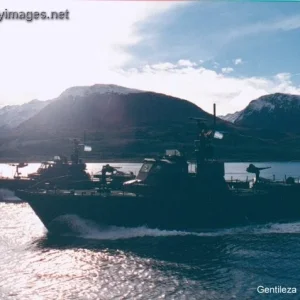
(215, 118)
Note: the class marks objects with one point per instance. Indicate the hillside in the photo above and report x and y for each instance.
(101, 110)
(277, 112)
(122, 123)
(119, 122)
(231, 117)
(12, 116)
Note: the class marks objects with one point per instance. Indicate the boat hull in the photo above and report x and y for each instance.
(14, 184)
(173, 211)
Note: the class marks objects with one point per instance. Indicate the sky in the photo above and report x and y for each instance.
(227, 53)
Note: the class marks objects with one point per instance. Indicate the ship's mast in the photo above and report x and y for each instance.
(215, 118)
(75, 155)
(203, 147)
(200, 144)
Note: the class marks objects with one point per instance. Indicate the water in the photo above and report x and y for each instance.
(143, 263)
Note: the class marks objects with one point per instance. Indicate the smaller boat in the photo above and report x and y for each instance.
(62, 173)
(59, 173)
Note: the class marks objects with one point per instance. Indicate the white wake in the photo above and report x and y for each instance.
(89, 230)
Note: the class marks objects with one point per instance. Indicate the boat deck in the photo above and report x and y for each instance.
(84, 193)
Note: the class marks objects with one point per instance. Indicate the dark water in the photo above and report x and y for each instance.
(141, 263)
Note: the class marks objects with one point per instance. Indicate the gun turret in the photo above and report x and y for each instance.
(255, 170)
(18, 166)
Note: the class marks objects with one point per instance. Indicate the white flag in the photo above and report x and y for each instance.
(87, 148)
(218, 135)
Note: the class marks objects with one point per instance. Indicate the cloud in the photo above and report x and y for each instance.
(215, 65)
(238, 61)
(205, 86)
(186, 63)
(285, 24)
(227, 70)
(41, 58)
(163, 66)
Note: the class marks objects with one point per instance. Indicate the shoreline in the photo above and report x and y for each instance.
(140, 160)
(10, 161)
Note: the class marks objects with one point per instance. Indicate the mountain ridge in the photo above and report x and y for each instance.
(123, 123)
(98, 89)
(118, 121)
(278, 111)
(12, 116)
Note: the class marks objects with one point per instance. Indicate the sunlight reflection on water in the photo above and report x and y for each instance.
(142, 263)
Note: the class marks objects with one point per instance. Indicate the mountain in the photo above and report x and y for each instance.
(119, 122)
(231, 117)
(102, 106)
(123, 123)
(100, 89)
(278, 112)
(12, 116)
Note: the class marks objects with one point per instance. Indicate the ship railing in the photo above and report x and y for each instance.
(48, 181)
(241, 177)
(246, 176)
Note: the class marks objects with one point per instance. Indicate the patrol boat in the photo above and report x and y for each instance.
(165, 195)
(60, 172)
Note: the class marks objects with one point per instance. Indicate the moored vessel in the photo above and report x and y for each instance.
(64, 173)
(59, 172)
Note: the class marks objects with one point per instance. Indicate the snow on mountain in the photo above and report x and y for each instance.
(13, 115)
(266, 106)
(275, 112)
(81, 91)
(231, 117)
(269, 105)
(260, 104)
